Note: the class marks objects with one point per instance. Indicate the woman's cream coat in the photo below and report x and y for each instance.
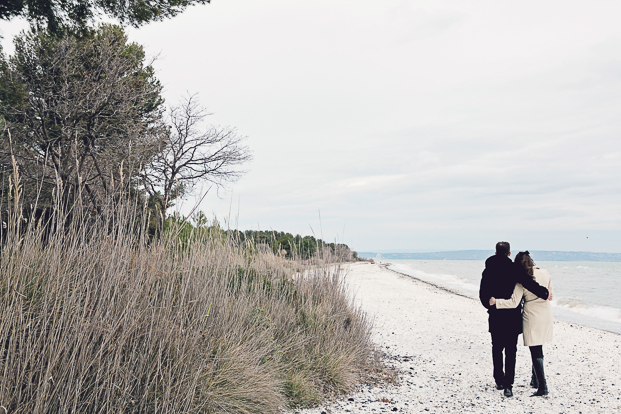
(537, 315)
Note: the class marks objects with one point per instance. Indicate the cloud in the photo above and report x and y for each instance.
(406, 23)
(412, 124)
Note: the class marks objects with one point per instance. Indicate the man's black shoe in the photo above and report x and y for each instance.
(500, 387)
(508, 392)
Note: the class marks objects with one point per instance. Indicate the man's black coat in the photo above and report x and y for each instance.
(499, 279)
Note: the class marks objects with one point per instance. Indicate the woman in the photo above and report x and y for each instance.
(536, 318)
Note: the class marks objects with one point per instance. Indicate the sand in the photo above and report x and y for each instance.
(439, 342)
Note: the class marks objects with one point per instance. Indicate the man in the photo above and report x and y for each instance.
(505, 325)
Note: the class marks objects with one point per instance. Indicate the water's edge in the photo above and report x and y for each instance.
(386, 265)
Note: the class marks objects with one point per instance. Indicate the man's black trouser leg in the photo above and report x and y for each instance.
(502, 341)
(510, 353)
(497, 348)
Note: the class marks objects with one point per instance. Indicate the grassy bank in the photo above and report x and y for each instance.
(96, 319)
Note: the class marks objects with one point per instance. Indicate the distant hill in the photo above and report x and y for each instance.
(538, 255)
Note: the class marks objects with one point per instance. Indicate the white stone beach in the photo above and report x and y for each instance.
(438, 341)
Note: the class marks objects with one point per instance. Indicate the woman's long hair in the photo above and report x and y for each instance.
(526, 263)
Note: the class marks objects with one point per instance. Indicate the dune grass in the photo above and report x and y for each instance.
(98, 318)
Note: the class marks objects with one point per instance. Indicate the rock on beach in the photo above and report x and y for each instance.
(439, 344)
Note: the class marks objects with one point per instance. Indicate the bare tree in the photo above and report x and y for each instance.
(193, 153)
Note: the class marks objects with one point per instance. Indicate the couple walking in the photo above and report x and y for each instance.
(503, 285)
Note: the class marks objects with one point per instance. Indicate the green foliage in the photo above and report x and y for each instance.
(290, 246)
(75, 16)
(300, 391)
(85, 113)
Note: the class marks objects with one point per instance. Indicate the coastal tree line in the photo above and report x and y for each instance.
(280, 243)
(303, 247)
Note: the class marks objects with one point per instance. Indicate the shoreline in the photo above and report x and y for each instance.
(456, 292)
(438, 342)
(436, 285)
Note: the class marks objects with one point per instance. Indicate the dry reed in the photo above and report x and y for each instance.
(97, 319)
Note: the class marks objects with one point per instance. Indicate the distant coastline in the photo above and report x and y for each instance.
(540, 255)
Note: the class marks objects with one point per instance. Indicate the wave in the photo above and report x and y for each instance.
(601, 312)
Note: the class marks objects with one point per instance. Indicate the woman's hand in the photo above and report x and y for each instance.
(492, 301)
(551, 296)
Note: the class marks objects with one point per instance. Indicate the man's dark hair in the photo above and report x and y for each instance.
(503, 248)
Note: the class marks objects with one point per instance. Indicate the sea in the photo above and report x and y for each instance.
(585, 293)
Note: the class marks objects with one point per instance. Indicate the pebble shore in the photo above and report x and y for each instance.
(438, 342)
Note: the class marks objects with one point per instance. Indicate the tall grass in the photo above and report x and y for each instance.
(97, 319)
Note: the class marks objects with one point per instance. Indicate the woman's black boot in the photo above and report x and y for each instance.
(533, 379)
(542, 389)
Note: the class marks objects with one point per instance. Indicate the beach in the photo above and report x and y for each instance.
(438, 342)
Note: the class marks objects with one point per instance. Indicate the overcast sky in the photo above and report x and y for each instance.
(411, 124)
